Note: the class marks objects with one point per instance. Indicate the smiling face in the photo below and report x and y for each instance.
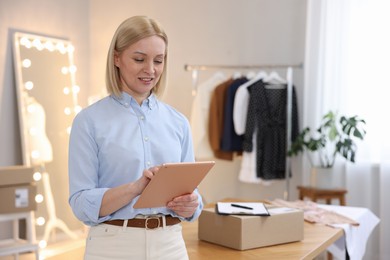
(140, 66)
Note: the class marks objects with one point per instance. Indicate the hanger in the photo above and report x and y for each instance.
(274, 78)
(250, 75)
(236, 75)
(275, 81)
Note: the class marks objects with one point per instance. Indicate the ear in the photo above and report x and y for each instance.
(116, 59)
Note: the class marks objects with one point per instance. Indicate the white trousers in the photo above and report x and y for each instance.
(109, 242)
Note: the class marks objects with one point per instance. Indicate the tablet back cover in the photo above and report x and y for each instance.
(172, 180)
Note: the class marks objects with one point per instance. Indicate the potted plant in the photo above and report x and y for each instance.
(334, 136)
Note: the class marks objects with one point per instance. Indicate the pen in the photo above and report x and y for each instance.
(240, 206)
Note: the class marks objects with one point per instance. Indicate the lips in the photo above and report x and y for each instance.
(146, 79)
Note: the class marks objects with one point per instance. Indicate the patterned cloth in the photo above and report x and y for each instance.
(314, 214)
(267, 113)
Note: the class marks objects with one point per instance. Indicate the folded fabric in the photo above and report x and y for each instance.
(315, 214)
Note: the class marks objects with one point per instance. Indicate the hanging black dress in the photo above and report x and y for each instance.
(267, 113)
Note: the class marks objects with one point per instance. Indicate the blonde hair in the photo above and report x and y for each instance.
(130, 31)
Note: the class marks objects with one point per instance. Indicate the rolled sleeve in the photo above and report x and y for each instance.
(86, 206)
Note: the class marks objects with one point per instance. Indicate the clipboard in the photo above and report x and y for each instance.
(242, 208)
(172, 180)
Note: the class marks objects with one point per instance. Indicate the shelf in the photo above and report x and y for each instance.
(16, 245)
(12, 246)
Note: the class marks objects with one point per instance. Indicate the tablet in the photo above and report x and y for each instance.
(172, 180)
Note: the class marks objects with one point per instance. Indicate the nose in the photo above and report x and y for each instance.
(149, 67)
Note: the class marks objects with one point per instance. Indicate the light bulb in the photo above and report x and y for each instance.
(49, 46)
(26, 63)
(72, 69)
(70, 48)
(38, 44)
(67, 111)
(37, 176)
(42, 244)
(39, 198)
(61, 48)
(24, 41)
(40, 221)
(64, 70)
(66, 91)
(76, 89)
(29, 85)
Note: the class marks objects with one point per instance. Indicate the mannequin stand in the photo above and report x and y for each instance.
(53, 221)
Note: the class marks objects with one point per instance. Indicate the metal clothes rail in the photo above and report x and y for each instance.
(188, 67)
(289, 77)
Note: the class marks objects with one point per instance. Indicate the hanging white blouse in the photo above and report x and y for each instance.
(241, 101)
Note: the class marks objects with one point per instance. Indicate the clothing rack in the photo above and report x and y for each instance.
(188, 67)
(289, 77)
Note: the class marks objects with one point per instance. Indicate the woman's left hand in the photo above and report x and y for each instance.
(185, 205)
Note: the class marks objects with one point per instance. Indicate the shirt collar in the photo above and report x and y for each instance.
(126, 100)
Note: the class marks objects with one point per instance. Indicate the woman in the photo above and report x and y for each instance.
(116, 145)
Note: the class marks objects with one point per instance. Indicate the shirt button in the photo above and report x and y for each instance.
(148, 163)
(154, 212)
(146, 139)
(126, 104)
(142, 117)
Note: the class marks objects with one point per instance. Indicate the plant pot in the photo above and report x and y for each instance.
(327, 178)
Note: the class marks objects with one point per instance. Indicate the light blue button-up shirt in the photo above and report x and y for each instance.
(113, 141)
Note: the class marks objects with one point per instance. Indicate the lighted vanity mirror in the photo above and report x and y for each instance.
(47, 102)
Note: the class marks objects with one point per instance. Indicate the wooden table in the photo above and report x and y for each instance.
(316, 240)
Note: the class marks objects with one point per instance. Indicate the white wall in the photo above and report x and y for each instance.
(200, 32)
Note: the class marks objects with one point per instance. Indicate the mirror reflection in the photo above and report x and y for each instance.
(47, 100)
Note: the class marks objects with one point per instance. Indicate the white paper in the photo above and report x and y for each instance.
(253, 208)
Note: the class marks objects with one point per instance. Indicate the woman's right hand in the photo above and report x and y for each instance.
(147, 175)
(116, 198)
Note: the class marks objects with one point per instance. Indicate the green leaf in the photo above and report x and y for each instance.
(331, 131)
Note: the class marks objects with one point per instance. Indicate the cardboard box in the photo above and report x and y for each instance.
(17, 189)
(17, 198)
(245, 232)
(18, 174)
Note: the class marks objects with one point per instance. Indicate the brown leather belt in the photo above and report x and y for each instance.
(148, 223)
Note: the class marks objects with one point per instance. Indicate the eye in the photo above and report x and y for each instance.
(158, 61)
(138, 60)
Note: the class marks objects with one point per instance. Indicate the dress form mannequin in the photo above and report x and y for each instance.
(41, 152)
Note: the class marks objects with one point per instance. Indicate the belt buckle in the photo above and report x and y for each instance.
(149, 218)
